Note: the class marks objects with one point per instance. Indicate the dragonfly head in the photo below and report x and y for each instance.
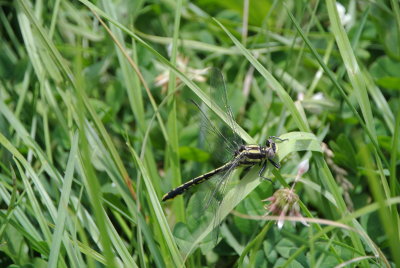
(270, 143)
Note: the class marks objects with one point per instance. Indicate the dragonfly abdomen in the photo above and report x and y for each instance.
(187, 185)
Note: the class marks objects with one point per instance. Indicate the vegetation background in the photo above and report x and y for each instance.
(96, 127)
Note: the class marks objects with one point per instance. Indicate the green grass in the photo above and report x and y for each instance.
(89, 143)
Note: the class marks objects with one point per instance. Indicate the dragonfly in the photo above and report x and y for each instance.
(241, 154)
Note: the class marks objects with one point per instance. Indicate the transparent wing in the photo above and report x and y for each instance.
(219, 144)
(218, 94)
(215, 196)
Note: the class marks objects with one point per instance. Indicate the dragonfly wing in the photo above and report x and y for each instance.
(218, 143)
(219, 95)
(215, 196)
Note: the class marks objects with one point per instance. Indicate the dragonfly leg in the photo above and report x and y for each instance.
(276, 138)
(274, 163)
(264, 165)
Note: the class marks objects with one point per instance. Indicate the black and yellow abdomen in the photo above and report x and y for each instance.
(187, 185)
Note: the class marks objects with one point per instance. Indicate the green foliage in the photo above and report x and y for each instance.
(96, 125)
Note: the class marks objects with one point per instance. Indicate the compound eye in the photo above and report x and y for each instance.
(267, 143)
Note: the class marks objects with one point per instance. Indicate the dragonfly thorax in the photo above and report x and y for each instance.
(251, 154)
(257, 152)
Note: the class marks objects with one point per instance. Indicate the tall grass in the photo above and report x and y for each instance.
(90, 143)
